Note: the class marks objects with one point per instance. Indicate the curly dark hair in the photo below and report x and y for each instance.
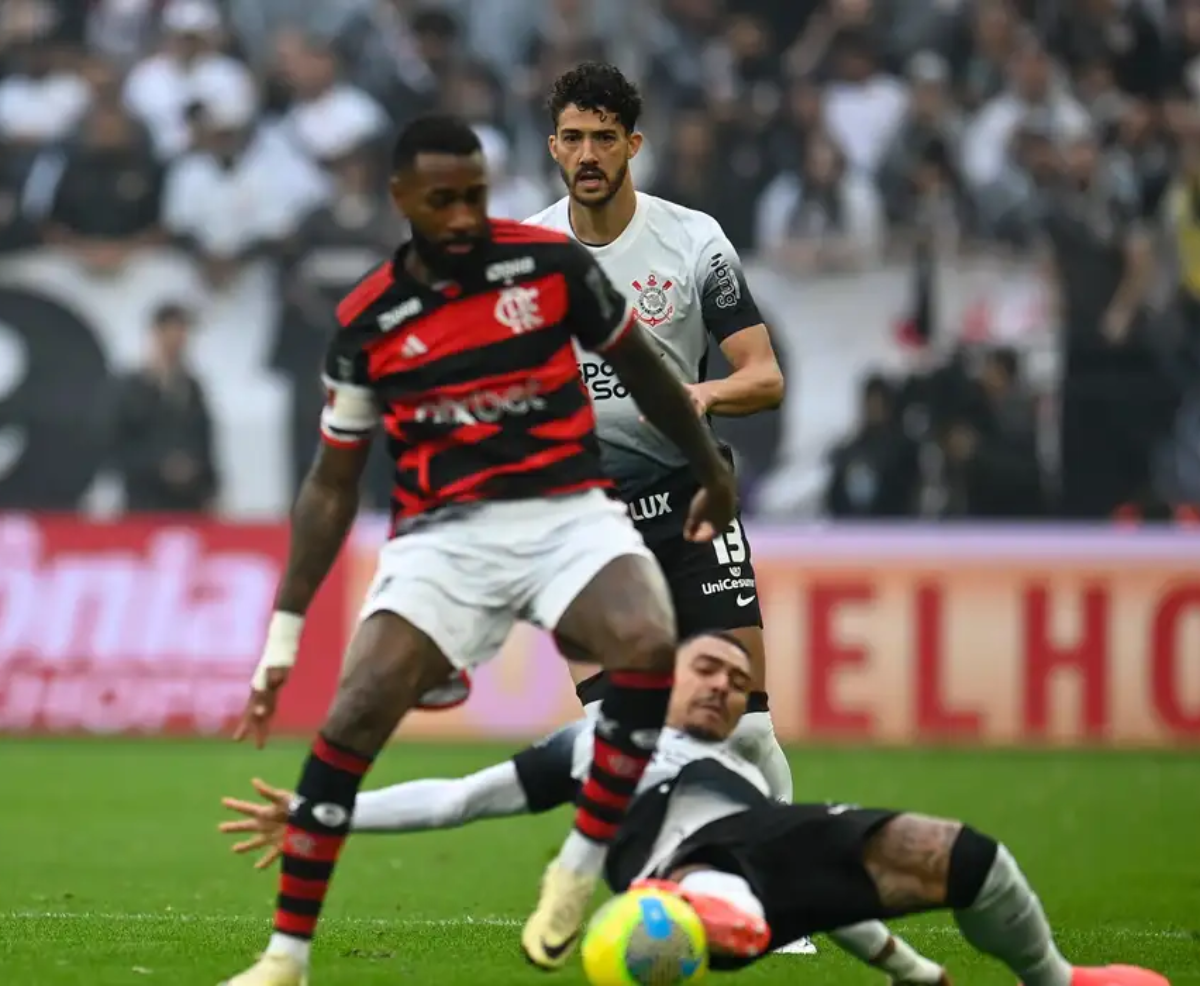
(598, 87)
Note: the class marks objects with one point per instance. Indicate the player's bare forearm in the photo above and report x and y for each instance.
(756, 383)
(754, 388)
(321, 518)
(665, 402)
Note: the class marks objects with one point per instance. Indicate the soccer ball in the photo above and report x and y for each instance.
(645, 938)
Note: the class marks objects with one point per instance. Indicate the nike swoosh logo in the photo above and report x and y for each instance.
(746, 601)
(555, 951)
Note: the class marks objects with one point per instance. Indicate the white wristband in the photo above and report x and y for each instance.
(283, 643)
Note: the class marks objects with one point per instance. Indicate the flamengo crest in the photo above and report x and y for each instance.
(518, 309)
(653, 304)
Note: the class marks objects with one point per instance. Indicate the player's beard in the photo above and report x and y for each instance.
(702, 734)
(442, 263)
(614, 185)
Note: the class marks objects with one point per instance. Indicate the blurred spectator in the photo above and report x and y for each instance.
(190, 69)
(680, 41)
(326, 115)
(743, 72)
(122, 30)
(1141, 151)
(874, 472)
(802, 115)
(827, 218)
(1119, 33)
(991, 38)
(691, 176)
(16, 231)
(105, 191)
(42, 95)
(354, 232)
(1182, 215)
(473, 92)
(1182, 57)
(163, 437)
(1114, 404)
(864, 106)
(815, 51)
(1012, 207)
(241, 191)
(1033, 86)
(510, 195)
(929, 135)
(437, 34)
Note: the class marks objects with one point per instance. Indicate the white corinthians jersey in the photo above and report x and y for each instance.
(687, 288)
(667, 811)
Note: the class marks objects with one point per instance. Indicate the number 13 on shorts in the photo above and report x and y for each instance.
(731, 545)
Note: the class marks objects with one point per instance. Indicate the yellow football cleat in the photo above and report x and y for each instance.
(272, 970)
(553, 929)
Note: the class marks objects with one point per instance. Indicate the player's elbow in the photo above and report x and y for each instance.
(772, 387)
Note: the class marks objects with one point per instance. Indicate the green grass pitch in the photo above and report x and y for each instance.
(112, 873)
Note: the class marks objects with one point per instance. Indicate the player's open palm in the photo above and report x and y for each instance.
(712, 509)
(265, 822)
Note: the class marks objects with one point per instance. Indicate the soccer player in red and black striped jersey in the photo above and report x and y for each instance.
(461, 349)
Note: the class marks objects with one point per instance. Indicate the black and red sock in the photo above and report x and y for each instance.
(317, 828)
(631, 716)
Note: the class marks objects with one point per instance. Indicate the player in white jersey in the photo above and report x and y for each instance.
(756, 871)
(685, 281)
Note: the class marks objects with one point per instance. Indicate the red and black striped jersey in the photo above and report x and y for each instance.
(476, 383)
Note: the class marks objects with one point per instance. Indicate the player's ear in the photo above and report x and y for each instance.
(394, 189)
(635, 143)
(552, 143)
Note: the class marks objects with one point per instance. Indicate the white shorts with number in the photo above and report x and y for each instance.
(465, 582)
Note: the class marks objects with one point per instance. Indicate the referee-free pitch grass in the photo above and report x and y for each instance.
(111, 871)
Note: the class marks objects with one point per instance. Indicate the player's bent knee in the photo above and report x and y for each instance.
(640, 644)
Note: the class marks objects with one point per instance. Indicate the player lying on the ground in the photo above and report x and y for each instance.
(757, 872)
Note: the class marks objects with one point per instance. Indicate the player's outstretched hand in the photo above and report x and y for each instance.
(267, 821)
(260, 709)
(712, 509)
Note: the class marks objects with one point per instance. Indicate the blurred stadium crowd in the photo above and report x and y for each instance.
(827, 136)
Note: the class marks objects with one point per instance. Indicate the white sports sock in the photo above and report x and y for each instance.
(869, 942)
(294, 948)
(1007, 922)
(755, 740)
(728, 886)
(580, 854)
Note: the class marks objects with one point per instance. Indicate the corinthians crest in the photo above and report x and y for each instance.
(654, 306)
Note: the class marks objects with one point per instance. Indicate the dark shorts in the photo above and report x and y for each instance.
(712, 585)
(804, 863)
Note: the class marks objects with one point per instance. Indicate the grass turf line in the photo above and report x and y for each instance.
(112, 871)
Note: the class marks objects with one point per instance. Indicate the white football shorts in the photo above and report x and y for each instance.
(465, 582)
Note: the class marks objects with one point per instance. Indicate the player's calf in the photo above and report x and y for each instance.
(919, 863)
(397, 664)
(624, 616)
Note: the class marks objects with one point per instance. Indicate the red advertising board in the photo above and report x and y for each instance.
(1029, 636)
(147, 627)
